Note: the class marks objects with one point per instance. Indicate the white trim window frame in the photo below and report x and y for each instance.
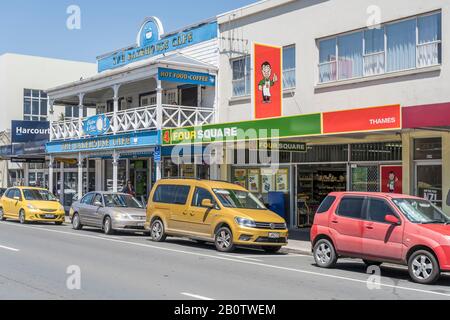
(33, 98)
(241, 84)
(383, 54)
(289, 74)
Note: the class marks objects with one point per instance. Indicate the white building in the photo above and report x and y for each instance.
(23, 81)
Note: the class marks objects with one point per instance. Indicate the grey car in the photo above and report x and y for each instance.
(109, 211)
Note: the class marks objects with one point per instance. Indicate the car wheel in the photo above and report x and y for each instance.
(157, 232)
(325, 254)
(423, 267)
(107, 226)
(224, 240)
(2, 215)
(76, 222)
(274, 249)
(372, 263)
(22, 218)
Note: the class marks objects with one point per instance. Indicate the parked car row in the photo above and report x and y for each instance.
(374, 227)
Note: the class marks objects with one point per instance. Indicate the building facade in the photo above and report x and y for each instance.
(342, 59)
(23, 81)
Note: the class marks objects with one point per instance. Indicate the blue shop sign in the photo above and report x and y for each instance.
(172, 75)
(30, 131)
(122, 141)
(153, 42)
(96, 125)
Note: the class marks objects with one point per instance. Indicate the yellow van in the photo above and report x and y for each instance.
(213, 211)
(28, 204)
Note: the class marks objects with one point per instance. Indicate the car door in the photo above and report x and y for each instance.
(7, 199)
(96, 210)
(380, 238)
(201, 218)
(347, 223)
(16, 203)
(83, 209)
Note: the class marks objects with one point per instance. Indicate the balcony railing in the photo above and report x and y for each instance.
(137, 119)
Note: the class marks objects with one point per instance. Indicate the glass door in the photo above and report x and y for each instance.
(428, 182)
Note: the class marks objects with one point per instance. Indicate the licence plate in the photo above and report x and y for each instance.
(49, 216)
(274, 235)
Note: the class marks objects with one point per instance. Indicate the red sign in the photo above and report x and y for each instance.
(362, 120)
(268, 81)
(432, 115)
(392, 179)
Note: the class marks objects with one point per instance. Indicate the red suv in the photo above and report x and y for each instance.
(378, 227)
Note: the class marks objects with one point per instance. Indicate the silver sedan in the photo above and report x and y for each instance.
(109, 211)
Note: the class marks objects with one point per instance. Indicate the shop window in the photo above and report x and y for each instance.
(326, 153)
(35, 105)
(428, 149)
(351, 207)
(384, 151)
(429, 183)
(404, 45)
(241, 69)
(289, 64)
(365, 179)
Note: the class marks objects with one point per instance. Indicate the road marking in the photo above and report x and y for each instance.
(196, 296)
(10, 249)
(238, 257)
(318, 274)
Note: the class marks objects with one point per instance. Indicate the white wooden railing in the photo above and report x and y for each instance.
(137, 119)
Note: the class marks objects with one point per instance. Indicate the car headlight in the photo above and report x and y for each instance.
(243, 222)
(31, 207)
(121, 216)
(61, 208)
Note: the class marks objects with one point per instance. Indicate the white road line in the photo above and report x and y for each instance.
(238, 257)
(312, 273)
(196, 296)
(10, 249)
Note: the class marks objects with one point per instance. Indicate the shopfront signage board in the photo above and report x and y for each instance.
(182, 76)
(29, 131)
(96, 125)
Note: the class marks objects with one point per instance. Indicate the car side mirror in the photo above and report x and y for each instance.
(207, 203)
(392, 219)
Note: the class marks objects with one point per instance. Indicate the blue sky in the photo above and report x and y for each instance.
(39, 27)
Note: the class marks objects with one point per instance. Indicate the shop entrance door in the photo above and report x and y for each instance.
(139, 176)
(428, 182)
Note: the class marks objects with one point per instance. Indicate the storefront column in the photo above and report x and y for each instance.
(115, 163)
(50, 174)
(80, 176)
(116, 107)
(80, 115)
(445, 170)
(408, 163)
(61, 181)
(159, 123)
(99, 176)
(26, 171)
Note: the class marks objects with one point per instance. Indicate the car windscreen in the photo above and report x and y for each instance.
(38, 195)
(121, 201)
(238, 199)
(421, 211)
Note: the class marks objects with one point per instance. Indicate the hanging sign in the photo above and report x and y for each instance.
(268, 81)
(96, 125)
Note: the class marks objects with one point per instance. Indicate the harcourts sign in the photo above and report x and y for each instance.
(30, 131)
(151, 41)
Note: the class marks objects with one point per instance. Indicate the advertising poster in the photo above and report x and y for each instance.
(392, 179)
(267, 180)
(240, 177)
(268, 81)
(282, 180)
(253, 180)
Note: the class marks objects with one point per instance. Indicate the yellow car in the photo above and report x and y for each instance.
(28, 204)
(212, 211)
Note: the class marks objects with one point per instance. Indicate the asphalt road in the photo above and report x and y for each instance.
(35, 260)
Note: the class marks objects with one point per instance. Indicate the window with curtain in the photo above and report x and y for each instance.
(241, 76)
(401, 45)
(289, 80)
(374, 54)
(404, 45)
(350, 56)
(429, 48)
(327, 60)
